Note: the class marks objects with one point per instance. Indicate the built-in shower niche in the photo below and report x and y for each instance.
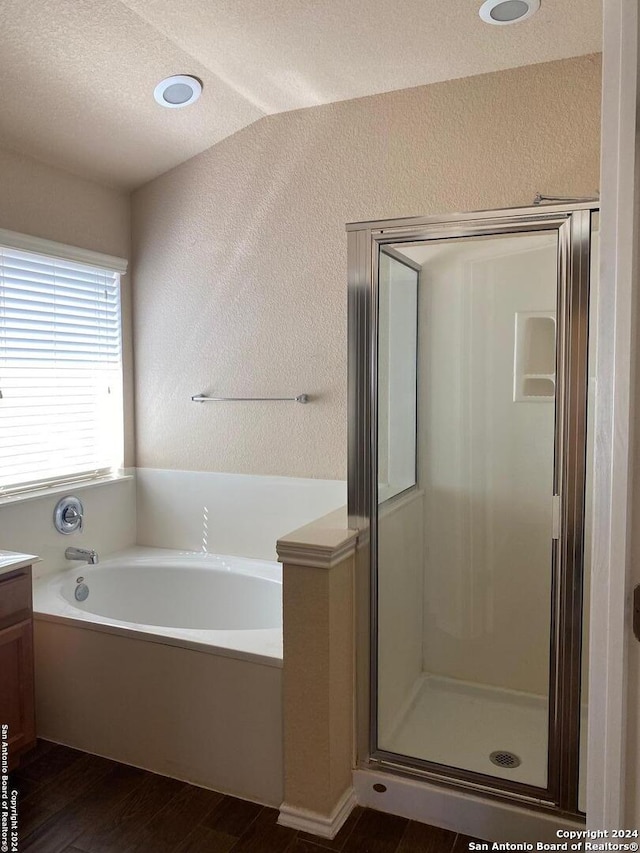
(534, 374)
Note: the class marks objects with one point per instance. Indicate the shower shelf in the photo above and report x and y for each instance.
(534, 378)
(538, 385)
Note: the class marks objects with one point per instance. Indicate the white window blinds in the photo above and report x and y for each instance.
(60, 371)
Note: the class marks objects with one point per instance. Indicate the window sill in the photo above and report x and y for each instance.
(67, 488)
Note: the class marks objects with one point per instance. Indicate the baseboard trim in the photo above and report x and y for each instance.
(315, 823)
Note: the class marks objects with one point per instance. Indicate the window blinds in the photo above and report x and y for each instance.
(60, 371)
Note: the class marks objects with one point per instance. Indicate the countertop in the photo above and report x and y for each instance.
(11, 560)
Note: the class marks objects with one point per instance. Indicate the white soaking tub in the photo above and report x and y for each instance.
(232, 604)
(172, 663)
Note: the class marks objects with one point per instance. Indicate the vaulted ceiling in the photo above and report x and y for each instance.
(77, 76)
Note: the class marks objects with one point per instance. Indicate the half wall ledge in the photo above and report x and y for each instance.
(318, 674)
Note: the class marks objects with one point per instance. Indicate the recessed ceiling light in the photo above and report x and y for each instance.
(177, 91)
(502, 12)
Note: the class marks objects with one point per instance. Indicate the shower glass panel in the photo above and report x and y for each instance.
(397, 367)
(465, 529)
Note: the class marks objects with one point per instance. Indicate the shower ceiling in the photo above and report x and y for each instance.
(78, 77)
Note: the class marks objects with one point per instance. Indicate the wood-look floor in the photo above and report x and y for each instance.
(72, 802)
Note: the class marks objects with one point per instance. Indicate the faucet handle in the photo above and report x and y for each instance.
(72, 516)
(68, 515)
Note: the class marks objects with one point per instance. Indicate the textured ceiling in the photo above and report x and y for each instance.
(77, 76)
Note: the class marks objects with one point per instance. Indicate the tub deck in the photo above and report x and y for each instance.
(258, 645)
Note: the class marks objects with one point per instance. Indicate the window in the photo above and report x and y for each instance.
(60, 369)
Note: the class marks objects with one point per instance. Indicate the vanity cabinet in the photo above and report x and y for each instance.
(17, 704)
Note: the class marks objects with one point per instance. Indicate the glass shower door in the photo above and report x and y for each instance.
(468, 369)
(465, 551)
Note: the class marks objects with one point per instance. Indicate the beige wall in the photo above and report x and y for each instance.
(317, 684)
(240, 253)
(46, 202)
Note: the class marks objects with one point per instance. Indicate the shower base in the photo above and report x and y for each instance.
(460, 724)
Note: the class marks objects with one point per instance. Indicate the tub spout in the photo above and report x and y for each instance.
(86, 554)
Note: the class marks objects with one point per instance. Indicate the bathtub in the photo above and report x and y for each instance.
(173, 662)
(230, 605)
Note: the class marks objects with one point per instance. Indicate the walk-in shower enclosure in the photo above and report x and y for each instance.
(469, 468)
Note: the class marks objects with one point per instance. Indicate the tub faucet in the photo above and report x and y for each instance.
(87, 554)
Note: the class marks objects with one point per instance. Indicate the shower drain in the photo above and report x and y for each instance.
(502, 758)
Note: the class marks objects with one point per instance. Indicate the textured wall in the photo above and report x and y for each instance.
(47, 202)
(240, 253)
(317, 684)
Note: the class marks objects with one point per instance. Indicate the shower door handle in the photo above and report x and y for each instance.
(555, 515)
(636, 612)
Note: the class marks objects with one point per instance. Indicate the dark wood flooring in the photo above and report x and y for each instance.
(72, 802)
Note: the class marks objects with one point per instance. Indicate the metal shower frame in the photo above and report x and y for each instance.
(573, 224)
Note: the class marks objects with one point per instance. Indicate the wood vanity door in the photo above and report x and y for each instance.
(16, 689)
